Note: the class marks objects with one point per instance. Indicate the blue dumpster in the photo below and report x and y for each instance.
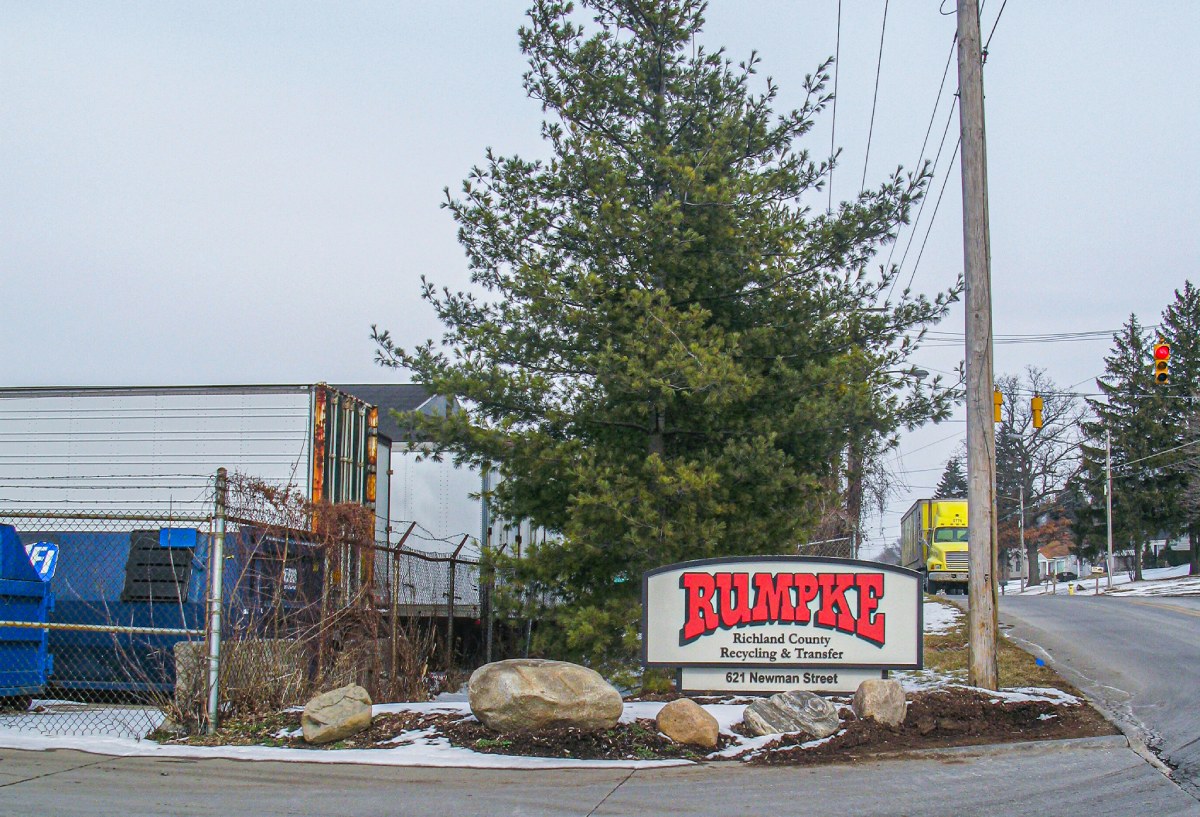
(25, 597)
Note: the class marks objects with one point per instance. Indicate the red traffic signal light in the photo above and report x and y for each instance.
(1162, 357)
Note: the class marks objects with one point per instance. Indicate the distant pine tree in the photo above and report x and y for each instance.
(954, 480)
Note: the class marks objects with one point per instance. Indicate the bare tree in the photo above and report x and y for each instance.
(1035, 462)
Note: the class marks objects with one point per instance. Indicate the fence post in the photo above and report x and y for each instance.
(395, 611)
(215, 598)
(450, 605)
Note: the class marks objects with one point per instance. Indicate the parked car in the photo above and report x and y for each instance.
(1066, 576)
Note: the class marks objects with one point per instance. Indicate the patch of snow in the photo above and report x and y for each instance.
(1047, 694)
(925, 679)
(941, 617)
(742, 744)
(812, 743)
(641, 709)
(1153, 584)
(1185, 586)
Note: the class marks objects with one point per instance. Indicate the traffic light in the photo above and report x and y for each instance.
(1162, 359)
(1036, 406)
(997, 404)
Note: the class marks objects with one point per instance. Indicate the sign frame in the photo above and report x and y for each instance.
(800, 562)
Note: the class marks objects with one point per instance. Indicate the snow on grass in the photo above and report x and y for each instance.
(923, 680)
(1024, 694)
(1157, 581)
(941, 617)
(1183, 586)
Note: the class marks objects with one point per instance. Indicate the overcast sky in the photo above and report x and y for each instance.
(231, 192)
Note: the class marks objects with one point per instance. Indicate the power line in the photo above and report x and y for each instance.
(993, 31)
(937, 102)
(875, 97)
(930, 445)
(933, 218)
(940, 338)
(1160, 453)
(837, 62)
(933, 173)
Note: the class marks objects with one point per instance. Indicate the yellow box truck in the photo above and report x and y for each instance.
(933, 540)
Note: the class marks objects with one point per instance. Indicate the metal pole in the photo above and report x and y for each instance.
(981, 441)
(1024, 557)
(450, 619)
(395, 612)
(1108, 501)
(450, 605)
(217, 557)
(486, 584)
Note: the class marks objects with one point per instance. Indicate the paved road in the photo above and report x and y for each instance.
(1096, 777)
(1140, 657)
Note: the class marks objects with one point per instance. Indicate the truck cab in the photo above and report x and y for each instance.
(946, 558)
(934, 541)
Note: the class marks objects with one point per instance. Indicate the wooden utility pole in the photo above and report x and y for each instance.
(981, 439)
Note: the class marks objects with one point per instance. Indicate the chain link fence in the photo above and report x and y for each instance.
(843, 547)
(122, 627)
(120, 589)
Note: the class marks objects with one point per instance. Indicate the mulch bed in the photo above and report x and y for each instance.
(640, 740)
(936, 718)
(944, 717)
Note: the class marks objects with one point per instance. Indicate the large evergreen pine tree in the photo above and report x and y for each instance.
(666, 350)
(1133, 411)
(1180, 327)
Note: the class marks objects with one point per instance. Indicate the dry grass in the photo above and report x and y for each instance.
(948, 653)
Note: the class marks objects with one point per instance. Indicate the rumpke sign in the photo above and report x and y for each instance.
(782, 611)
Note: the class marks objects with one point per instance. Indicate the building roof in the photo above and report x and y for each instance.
(393, 397)
(1055, 550)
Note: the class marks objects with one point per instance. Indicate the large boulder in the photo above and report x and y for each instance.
(530, 694)
(685, 721)
(795, 711)
(882, 700)
(336, 714)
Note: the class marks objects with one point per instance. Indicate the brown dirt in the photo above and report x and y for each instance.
(946, 717)
(636, 741)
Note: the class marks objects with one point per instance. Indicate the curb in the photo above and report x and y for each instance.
(1128, 732)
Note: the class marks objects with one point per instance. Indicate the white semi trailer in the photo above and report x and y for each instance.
(157, 448)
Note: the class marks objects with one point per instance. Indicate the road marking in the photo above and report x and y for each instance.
(1185, 610)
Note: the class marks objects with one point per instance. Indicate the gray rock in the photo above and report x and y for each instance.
(529, 694)
(336, 714)
(795, 711)
(880, 699)
(685, 721)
